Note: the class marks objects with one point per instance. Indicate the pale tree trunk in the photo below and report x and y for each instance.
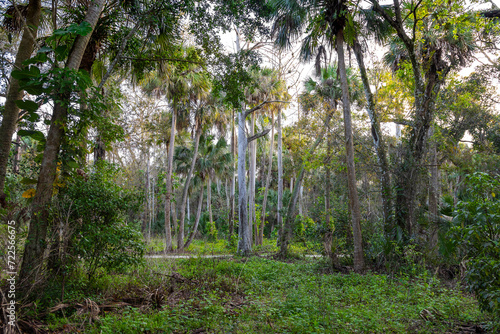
(279, 218)
(244, 231)
(11, 111)
(268, 181)
(378, 143)
(148, 202)
(287, 230)
(174, 218)
(168, 182)
(351, 172)
(251, 176)
(185, 199)
(209, 199)
(197, 221)
(36, 239)
(233, 181)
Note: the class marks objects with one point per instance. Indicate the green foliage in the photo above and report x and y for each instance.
(475, 234)
(95, 209)
(265, 296)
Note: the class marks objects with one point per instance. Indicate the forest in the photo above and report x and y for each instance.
(249, 166)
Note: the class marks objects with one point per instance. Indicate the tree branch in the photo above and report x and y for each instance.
(258, 135)
(257, 107)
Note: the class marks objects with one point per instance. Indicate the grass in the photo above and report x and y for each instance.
(261, 295)
(198, 247)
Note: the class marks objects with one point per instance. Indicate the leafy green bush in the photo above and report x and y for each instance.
(91, 210)
(475, 234)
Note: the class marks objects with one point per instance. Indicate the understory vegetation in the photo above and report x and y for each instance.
(260, 295)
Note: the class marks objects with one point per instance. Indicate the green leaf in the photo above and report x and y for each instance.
(36, 135)
(27, 105)
(26, 73)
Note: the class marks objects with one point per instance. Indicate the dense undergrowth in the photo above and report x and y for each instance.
(256, 295)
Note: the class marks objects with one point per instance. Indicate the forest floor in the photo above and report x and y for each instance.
(260, 294)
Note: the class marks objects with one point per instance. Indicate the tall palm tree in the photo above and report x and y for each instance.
(35, 242)
(325, 21)
(14, 93)
(179, 83)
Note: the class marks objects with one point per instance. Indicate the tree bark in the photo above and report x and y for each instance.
(180, 242)
(233, 181)
(11, 111)
(378, 143)
(268, 181)
(279, 218)
(168, 182)
(209, 199)
(244, 231)
(251, 177)
(36, 239)
(351, 172)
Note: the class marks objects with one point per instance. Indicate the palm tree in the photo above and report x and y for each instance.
(178, 83)
(14, 93)
(213, 159)
(35, 242)
(325, 20)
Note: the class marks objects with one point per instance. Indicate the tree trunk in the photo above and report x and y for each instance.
(197, 221)
(185, 200)
(351, 172)
(233, 181)
(36, 239)
(209, 199)
(279, 218)
(244, 231)
(251, 177)
(268, 181)
(384, 174)
(168, 182)
(11, 111)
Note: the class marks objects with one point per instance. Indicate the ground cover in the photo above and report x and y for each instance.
(263, 295)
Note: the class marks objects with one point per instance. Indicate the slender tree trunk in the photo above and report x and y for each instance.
(244, 231)
(378, 143)
(287, 230)
(279, 218)
(209, 199)
(268, 181)
(11, 111)
(168, 182)
(185, 200)
(251, 176)
(36, 239)
(174, 219)
(148, 202)
(233, 181)
(351, 172)
(197, 221)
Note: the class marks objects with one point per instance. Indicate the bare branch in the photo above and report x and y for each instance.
(258, 135)
(248, 112)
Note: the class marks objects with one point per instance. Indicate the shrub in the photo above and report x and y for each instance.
(475, 234)
(91, 209)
